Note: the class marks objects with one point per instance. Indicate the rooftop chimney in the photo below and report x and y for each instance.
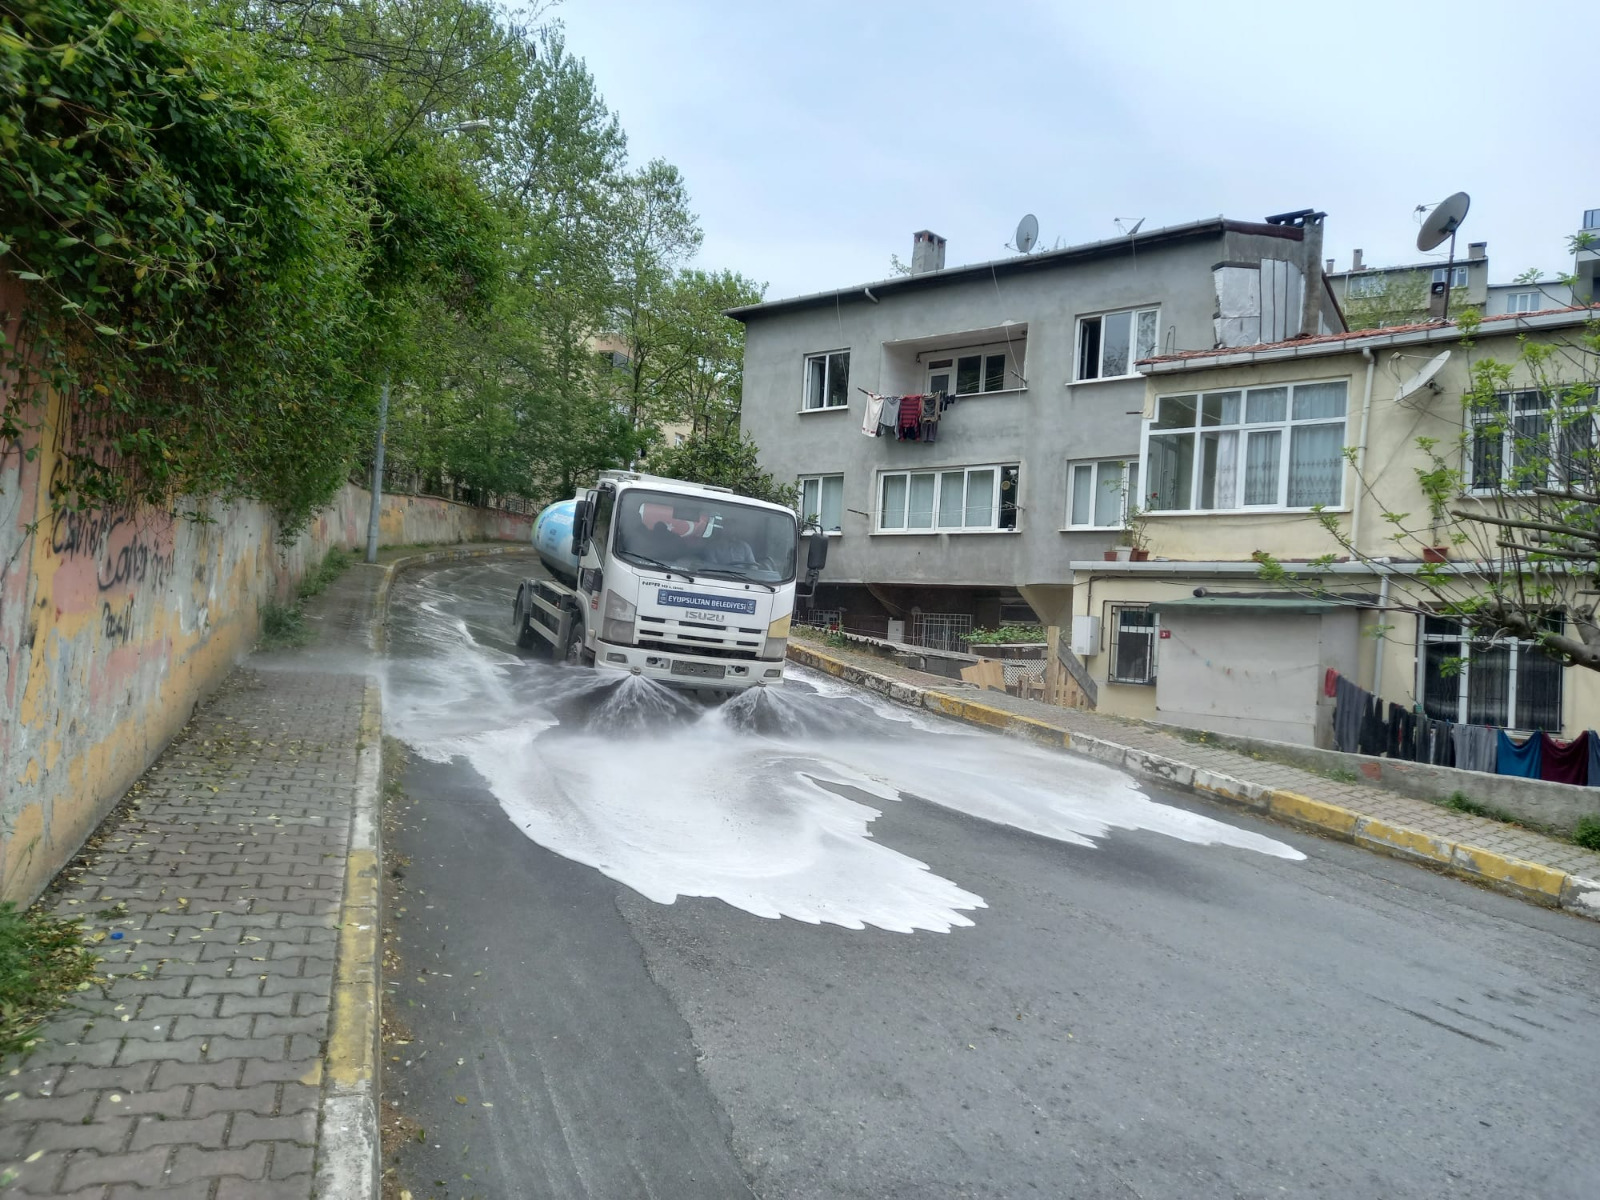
(1329, 267)
(927, 252)
(1355, 260)
(1477, 249)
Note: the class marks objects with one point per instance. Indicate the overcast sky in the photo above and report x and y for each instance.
(816, 136)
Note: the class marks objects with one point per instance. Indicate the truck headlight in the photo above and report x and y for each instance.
(617, 625)
(777, 639)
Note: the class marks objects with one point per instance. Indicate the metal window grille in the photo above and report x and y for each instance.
(1133, 644)
(821, 618)
(941, 631)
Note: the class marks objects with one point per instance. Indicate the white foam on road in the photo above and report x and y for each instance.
(743, 803)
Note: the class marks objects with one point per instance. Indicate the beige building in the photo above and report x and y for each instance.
(1238, 448)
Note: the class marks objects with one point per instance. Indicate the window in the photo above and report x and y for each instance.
(1109, 345)
(1366, 285)
(958, 498)
(828, 380)
(1456, 275)
(1511, 684)
(1522, 440)
(1521, 302)
(1133, 644)
(1098, 493)
(822, 497)
(968, 374)
(1591, 218)
(1272, 447)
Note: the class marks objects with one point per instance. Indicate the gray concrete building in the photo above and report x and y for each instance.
(1036, 447)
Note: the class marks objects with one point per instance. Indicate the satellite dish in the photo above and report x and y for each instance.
(1443, 221)
(1424, 377)
(1027, 233)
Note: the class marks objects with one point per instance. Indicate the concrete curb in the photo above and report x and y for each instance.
(349, 1145)
(348, 1148)
(1530, 881)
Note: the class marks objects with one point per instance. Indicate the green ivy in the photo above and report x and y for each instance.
(191, 248)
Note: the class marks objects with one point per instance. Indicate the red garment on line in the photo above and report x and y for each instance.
(910, 412)
(1330, 682)
(1565, 762)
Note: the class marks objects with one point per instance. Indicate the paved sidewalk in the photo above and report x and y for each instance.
(1445, 831)
(197, 1069)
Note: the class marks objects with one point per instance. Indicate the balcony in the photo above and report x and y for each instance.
(971, 363)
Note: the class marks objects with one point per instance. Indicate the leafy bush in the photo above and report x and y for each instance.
(283, 626)
(191, 252)
(1006, 634)
(1587, 833)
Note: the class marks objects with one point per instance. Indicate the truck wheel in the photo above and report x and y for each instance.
(577, 655)
(525, 636)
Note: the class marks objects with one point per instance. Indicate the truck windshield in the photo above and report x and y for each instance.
(721, 538)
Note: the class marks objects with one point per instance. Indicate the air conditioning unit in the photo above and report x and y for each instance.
(1085, 636)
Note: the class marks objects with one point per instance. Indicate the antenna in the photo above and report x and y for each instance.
(1442, 223)
(1424, 377)
(1027, 233)
(1122, 222)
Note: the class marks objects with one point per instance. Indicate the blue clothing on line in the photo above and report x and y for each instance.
(1523, 760)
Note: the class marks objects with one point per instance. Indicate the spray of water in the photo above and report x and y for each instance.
(766, 801)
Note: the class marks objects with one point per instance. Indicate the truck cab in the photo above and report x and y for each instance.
(684, 583)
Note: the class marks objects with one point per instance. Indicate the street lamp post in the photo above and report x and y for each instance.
(377, 472)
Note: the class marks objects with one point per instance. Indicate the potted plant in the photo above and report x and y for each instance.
(1135, 536)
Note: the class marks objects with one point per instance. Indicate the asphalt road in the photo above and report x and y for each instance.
(1130, 1013)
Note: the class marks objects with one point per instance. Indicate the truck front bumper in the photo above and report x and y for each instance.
(687, 670)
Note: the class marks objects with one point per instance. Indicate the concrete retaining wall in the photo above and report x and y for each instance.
(114, 625)
(1554, 806)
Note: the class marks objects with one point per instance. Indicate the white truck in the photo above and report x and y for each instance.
(684, 583)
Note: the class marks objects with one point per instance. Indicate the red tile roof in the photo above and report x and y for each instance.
(1323, 339)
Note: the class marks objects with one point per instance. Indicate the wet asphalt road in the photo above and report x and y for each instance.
(1144, 1018)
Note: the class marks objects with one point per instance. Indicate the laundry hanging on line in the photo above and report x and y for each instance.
(912, 418)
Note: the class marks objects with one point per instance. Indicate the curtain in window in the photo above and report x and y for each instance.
(951, 499)
(1441, 691)
(894, 502)
(1083, 495)
(1313, 400)
(1108, 496)
(1146, 345)
(1315, 463)
(1538, 690)
(919, 508)
(980, 499)
(1262, 452)
(831, 511)
(1488, 684)
(1219, 466)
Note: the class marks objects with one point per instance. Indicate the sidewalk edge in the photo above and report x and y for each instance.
(1531, 881)
(349, 1145)
(348, 1148)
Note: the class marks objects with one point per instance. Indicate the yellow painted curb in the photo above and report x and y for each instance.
(1539, 882)
(1303, 810)
(1409, 843)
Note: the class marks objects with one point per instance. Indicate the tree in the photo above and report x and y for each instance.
(655, 234)
(698, 359)
(726, 460)
(1512, 520)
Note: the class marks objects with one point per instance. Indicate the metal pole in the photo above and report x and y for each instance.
(1449, 282)
(377, 472)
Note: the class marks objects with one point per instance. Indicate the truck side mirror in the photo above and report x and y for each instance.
(580, 527)
(817, 552)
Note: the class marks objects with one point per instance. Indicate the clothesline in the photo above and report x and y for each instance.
(1362, 726)
(908, 418)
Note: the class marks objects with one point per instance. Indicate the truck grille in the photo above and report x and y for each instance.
(700, 637)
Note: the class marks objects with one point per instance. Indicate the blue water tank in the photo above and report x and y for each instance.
(552, 538)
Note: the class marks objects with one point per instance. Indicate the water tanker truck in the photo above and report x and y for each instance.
(684, 583)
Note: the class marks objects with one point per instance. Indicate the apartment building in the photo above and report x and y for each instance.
(977, 520)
